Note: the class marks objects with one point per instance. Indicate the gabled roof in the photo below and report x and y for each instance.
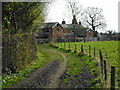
(50, 24)
(66, 26)
(76, 27)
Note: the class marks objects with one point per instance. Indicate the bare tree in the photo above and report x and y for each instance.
(110, 32)
(92, 17)
(73, 9)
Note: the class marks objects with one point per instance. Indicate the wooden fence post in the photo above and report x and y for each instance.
(94, 52)
(101, 61)
(105, 70)
(75, 48)
(89, 50)
(82, 49)
(81, 52)
(112, 77)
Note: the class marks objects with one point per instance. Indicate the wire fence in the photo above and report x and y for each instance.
(108, 71)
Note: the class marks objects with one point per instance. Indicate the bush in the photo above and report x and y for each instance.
(18, 51)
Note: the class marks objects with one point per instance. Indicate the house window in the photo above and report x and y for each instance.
(58, 30)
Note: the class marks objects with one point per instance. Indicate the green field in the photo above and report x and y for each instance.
(109, 51)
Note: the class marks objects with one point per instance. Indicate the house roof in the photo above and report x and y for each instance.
(50, 24)
(66, 26)
(75, 27)
(78, 29)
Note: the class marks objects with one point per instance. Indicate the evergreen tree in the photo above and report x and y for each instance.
(74, 21)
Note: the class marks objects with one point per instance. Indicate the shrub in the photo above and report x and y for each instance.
(18, 51)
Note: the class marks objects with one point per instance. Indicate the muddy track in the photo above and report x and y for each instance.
(56, 77)
(45, 77)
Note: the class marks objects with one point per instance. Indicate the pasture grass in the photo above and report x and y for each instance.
(110, 51)
(76, 63)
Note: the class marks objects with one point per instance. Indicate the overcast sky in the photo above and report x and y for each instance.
(110, 11)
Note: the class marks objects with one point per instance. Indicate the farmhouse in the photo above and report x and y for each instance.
(50, 31)
(76, 32)
(53, 31)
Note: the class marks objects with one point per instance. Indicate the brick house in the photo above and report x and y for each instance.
(76, 32)
(53, 31)
(50, 31)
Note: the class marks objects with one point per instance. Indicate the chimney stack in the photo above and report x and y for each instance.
(79, 22)
(63, 22)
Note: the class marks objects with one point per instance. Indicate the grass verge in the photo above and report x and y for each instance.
(44, 56)
(76, 66)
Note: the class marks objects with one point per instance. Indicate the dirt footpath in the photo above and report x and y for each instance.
(45, 77)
